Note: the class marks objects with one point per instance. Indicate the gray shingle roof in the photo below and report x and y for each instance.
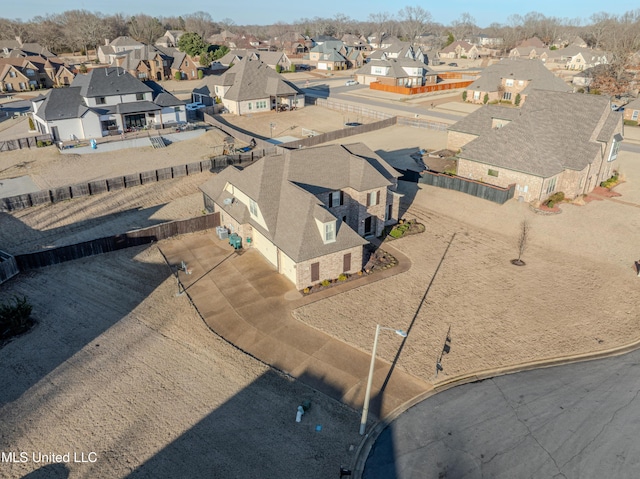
(533, 71)
(62, 104)
(108, 81)
(284, 187)
(552, 132)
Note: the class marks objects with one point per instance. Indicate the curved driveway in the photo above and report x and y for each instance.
(574, 421)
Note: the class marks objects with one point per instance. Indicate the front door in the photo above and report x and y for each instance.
(369, 225)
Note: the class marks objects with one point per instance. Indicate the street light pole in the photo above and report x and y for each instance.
(367, 394)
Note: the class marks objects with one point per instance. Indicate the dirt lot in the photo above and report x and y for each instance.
(120, 366)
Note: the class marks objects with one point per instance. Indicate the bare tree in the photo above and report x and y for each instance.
(464, 27)
(414, 21)
(145, 28)
(380, 23)
(83, 29)
(200, 23)
(48, 32)
(523, 240)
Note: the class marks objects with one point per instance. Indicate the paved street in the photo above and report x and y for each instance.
(574, 421)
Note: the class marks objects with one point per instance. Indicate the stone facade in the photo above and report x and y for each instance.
(456, 139)
(331, 266)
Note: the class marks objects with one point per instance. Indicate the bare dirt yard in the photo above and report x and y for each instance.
(121, 366)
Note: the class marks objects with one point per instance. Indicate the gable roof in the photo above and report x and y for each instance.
(460, 43)
(552, 132)
(532, 71)
(285, 187)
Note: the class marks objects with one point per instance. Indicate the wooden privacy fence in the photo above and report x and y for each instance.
(20, 143)
(496, 194)
(419, 89)
(113, 243)
(8, 267)
(239, 133)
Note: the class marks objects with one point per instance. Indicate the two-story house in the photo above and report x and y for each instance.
(28, 73)
(103, 102)
(335, 55)
(459, 49)
(513, 78)
(108, 51)
(397, 72)
(557, 141)
(308, 210)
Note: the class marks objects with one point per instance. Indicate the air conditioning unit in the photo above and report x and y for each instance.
(228, 201)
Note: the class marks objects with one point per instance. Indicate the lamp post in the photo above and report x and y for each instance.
(367, 394)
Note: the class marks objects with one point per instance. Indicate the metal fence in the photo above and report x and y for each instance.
(113, 243)
(349, 108)
(492, 193)
(336, 134)
(8, 267)
(28, 142)
(63, 193)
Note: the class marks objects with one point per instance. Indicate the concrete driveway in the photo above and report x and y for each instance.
(244, 300)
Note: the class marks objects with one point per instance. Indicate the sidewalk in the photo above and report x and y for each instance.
(244, 300)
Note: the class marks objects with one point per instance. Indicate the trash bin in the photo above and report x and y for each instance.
(222, 232)
(235, 241)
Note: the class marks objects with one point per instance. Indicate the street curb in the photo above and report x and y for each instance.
(364, 448)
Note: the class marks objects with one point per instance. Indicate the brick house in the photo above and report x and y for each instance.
(459, 49)
(557, 141)
(249, 86)
(275, 60)
(397, 72)
(27, 73)
(308, 210)
(632, 111)
(510, 77)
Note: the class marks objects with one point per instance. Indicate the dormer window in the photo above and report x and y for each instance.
(330, 232)
(253, 208)
(101, 100)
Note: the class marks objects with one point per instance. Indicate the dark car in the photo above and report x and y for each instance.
(453, 64)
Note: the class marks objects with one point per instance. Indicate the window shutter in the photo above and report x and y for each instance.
(346, 262)
(341, 197)
(330, 200)
(368, 199)
(378, 197)
(315, 272)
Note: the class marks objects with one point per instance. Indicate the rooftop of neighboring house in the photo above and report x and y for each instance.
(270, 58)
(251, 79)
(328, 46)
(532, 42)
(587, 53)
(124, 41)
(532, 71)
(285, 187)
(552, 132)
(459, 43)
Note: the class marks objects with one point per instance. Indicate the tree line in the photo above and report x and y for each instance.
(81, 30)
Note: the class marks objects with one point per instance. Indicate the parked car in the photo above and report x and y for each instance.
(351, 82)
(196, 105)
(453, 64)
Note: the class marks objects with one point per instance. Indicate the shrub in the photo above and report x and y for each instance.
(630, 123)
(611, 182)
(485, 99)
(557, 197)
(464, 95)
(278, 68)
(200, 74)
(15, 317)
(342, 277)
(292, 68)
(32, 125)
(518, 99)
(550, 204)
(40, 143)
(325, 282)
(306, 290)
(396, 233)
(177, 76)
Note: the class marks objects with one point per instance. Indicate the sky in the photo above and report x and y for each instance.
(271, 11)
